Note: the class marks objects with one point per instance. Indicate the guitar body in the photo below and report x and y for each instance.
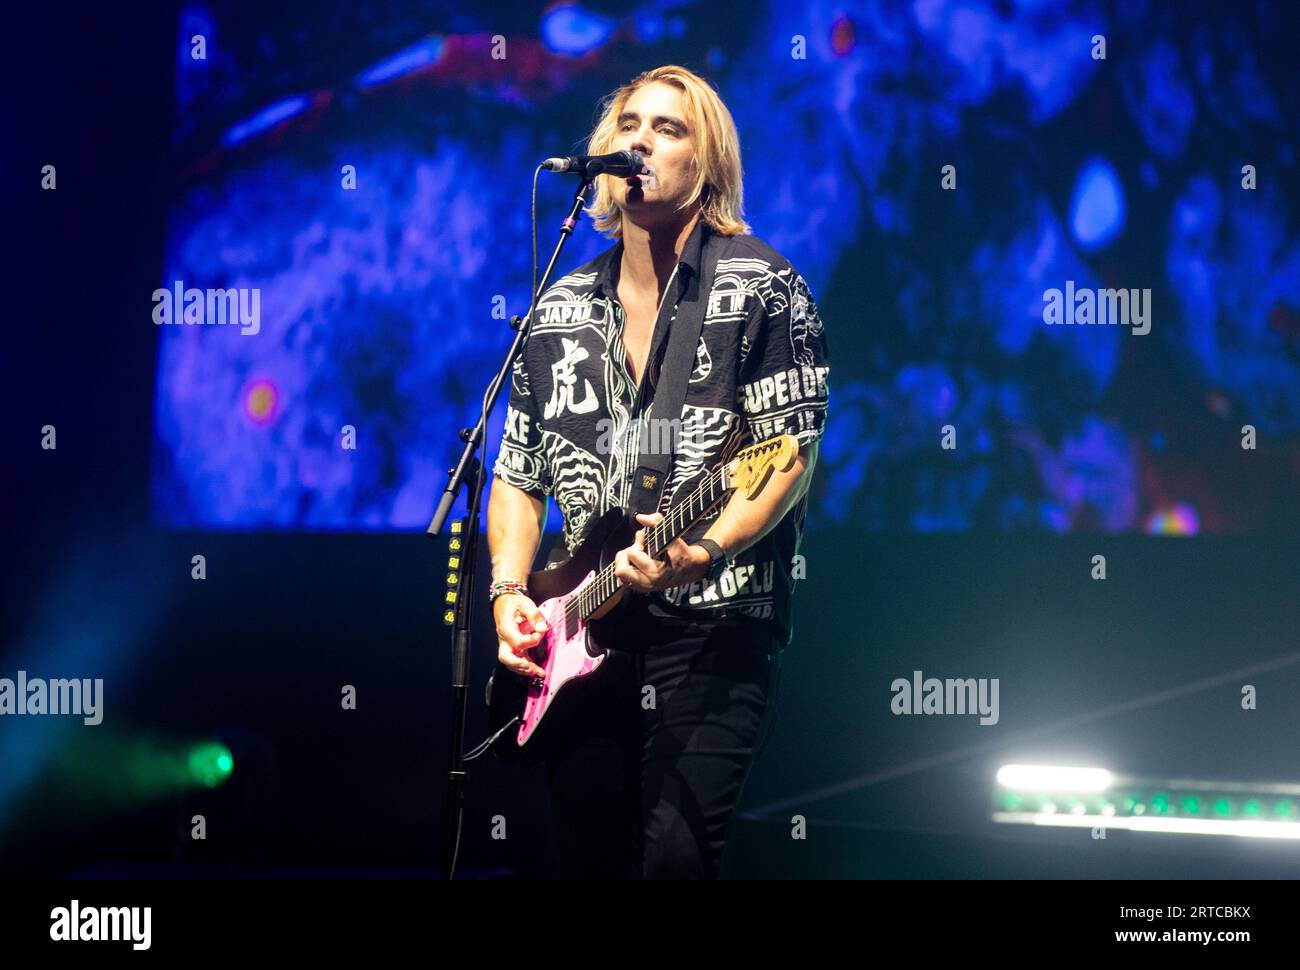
(570, 651)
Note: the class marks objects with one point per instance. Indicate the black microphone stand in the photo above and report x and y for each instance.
(470, 472)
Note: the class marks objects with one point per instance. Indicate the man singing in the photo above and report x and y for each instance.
(646, 779)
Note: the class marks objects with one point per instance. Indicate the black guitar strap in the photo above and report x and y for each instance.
(674, 374)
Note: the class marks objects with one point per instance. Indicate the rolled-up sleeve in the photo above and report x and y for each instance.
(785, 366)
(521, 459)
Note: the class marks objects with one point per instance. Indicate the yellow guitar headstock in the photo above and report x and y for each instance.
(752, 467)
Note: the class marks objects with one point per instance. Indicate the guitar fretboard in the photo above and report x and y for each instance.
(680, 517)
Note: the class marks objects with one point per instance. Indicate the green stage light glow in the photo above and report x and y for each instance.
(210, 763)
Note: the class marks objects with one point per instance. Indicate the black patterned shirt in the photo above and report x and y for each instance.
(575, 420)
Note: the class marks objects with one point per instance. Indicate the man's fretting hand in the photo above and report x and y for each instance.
(677, 565)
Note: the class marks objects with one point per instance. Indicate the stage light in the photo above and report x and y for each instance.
(1047, 778)
(1087, 797)
(210, 763)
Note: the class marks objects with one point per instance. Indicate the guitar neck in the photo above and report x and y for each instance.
(680, 518)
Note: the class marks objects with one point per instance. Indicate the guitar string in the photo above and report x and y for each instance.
(598, 590)
(604, 585)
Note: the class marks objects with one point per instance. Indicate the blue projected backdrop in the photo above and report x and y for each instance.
(936, 170)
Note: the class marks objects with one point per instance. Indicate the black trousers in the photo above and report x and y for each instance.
(647, 774)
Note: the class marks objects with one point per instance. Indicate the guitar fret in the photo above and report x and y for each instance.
(604, 584)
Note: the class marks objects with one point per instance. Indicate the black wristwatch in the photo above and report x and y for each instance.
(717, 558)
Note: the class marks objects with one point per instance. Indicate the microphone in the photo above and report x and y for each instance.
(621, 164)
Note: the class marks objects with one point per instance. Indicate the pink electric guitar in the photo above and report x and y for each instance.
(581, 591)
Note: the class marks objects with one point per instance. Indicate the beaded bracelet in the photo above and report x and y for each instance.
(503, 586)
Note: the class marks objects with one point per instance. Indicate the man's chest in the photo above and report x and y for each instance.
(637, 333)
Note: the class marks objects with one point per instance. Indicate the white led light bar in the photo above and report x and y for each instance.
(1043, 778)
(1061, 797)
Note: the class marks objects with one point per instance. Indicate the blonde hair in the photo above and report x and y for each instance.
(717, 152)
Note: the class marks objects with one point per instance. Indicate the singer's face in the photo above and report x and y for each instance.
(654, 124)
